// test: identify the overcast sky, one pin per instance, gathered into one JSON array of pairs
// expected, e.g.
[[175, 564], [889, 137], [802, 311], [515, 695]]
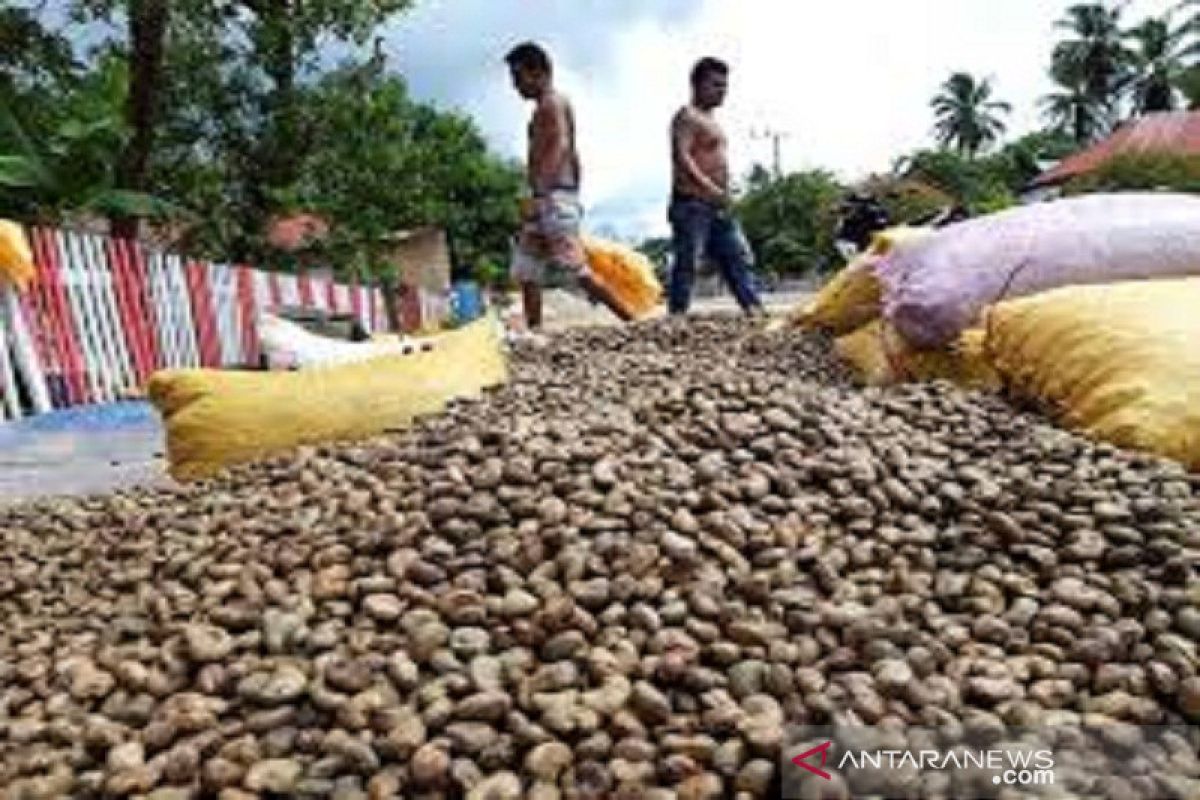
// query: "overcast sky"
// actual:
[[848, 81]]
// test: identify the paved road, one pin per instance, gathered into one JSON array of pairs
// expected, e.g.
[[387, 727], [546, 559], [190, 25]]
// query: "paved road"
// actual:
[[82, 451]]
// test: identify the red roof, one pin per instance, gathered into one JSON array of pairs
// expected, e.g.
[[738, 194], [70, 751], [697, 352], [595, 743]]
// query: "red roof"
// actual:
[[297, 231], [1173, 132]]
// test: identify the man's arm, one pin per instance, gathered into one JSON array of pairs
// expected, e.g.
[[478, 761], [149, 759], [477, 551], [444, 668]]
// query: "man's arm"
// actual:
[[683, 136], [550, 146]]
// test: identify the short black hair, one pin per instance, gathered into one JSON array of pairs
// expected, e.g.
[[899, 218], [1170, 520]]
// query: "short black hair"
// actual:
[[708, 66], [530, 56]]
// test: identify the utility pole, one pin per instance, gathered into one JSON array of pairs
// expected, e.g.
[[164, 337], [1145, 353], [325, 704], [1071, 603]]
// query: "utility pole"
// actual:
[[776, 137]]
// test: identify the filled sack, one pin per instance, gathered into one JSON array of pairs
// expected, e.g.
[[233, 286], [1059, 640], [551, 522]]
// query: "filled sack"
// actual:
[[935, 287], [287, 345], [16, 259], [215, 419], [852, 297], [881, 357], [627, 275], [1118, 362]]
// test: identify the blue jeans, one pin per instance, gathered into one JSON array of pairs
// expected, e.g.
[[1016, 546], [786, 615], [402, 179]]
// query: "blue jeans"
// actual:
[[703, 229]]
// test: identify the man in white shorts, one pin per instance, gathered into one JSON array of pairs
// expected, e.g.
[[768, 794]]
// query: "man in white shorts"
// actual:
[[551, 217]]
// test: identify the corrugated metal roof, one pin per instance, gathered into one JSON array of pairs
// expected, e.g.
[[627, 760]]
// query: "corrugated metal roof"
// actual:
[[1174, 132]]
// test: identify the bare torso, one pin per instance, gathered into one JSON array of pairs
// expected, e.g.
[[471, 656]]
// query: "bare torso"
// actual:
[[553, 157], [706, 147]]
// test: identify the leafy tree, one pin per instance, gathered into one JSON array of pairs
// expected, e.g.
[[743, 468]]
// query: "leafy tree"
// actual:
[[968, 119], [1071, 110], [67, 166], [285, 37], [1017, 163], [906, 199], [31, 56], [147, 31], [790, 222], [1188, 79], [1157, 64], [974, 183], [381, 163], [1092, 62]]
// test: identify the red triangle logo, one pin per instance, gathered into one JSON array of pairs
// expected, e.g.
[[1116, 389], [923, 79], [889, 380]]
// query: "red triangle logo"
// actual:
[[823, 749]]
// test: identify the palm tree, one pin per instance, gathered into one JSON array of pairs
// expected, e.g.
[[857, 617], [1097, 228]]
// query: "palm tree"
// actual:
[[1158, 65], [968, 119], [1188, 80], [1072, 110], [1094, 54]]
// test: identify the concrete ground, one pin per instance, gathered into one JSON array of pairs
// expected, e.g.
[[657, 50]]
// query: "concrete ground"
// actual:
[[80, 452], [106, 448]]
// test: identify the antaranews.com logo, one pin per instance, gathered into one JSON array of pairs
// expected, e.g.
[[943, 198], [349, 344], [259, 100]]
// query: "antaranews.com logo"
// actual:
[[1134, 761]]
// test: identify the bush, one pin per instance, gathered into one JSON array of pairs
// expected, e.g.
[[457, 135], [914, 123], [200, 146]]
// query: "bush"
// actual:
[[1141, 172], [906, 199], [790, 222]]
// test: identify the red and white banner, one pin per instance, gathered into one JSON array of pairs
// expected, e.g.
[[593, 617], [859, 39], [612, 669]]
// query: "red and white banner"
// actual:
[[102, 315]]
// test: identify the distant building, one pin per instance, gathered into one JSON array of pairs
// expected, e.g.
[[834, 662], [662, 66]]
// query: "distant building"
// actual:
[[1170, 132], [422, 259]]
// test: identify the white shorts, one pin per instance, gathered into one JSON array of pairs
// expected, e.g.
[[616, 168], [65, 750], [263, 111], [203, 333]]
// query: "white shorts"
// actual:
[[550, 240]]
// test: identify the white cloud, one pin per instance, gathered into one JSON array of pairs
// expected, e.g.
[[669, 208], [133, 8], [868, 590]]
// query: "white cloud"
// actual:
[[849, 82]]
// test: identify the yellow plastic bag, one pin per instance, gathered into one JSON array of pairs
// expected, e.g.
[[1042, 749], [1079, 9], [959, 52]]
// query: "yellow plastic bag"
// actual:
[[16, 259], [853, 297], [215, 419], [626, 274], [882, 357], [1119, 362]]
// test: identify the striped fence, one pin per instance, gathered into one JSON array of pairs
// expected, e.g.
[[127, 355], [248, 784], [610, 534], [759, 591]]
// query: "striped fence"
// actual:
[[103, 314]]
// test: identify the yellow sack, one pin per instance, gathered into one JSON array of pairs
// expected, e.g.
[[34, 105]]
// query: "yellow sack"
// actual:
[[16, 260], [1120, 362], [882, 357], [215, 419], [626, 274], [853, 297]]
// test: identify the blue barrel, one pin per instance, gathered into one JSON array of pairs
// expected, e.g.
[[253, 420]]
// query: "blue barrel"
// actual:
[[467, 301]]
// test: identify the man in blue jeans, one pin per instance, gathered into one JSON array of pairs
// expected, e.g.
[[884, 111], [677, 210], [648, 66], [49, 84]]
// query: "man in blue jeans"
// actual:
[[701, 214]]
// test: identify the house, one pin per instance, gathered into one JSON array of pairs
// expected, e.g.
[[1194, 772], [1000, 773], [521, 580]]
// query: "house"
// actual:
[[1176, 132], [422, 258]]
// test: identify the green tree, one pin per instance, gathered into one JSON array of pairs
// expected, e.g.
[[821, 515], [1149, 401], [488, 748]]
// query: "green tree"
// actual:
[[32, 57], [1071, 110], [146, 22], [968, 119], [790, 222], [285, 37], [1189, 85], [906, 199], [1158, 64], [1020, 161], [1092, 62], [381, 163], [974, 183], [66, 166], [1188, 80]]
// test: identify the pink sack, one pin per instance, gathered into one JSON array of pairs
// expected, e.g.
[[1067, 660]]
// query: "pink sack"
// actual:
[[936, 287]]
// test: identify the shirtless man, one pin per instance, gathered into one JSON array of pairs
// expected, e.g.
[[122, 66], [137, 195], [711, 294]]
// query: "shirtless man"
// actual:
[[702, 221], [551, 216]]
